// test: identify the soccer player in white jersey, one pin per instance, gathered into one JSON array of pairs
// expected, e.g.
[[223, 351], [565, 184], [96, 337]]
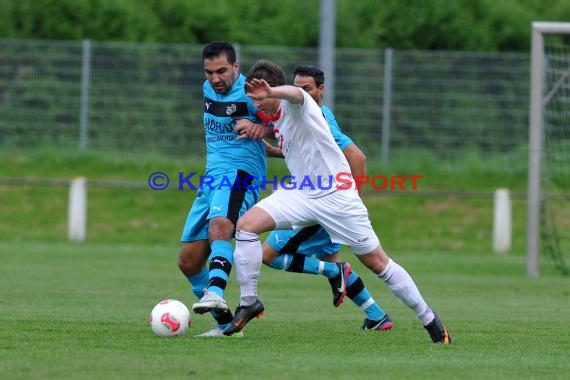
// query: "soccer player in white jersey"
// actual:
[[314, 160], [310, 249]]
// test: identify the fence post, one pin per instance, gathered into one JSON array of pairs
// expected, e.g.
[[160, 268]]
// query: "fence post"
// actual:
[[77, 210], [502, 220], [327, 39], [84, 110], [387, 105]]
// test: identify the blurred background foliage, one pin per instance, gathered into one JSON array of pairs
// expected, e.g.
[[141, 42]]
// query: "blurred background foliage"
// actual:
[[470, 25]]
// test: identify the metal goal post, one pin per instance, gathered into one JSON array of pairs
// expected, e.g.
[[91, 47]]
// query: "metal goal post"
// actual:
[[536, 133]]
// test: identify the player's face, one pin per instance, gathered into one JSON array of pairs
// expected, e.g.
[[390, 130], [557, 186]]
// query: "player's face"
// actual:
[[308, 84], [268, 106], [220, 73]]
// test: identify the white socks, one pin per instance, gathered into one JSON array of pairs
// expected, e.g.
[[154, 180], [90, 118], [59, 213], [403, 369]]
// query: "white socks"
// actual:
[[247, 261], [403, 287]]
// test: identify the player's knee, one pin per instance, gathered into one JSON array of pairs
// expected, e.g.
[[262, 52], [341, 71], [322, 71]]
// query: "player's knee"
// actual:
[[244, 224], [376, 260], [189, 263], [220, 229], [256, 221], [269, 255], [184, 264]]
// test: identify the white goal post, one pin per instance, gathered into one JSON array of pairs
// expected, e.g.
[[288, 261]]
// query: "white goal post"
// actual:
[[536, 134]]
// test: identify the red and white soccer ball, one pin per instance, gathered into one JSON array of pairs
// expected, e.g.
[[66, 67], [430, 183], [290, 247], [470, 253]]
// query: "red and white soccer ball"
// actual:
[[170, 318]]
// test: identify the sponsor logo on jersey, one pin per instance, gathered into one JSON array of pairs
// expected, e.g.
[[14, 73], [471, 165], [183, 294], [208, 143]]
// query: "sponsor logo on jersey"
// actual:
[[231, 109]]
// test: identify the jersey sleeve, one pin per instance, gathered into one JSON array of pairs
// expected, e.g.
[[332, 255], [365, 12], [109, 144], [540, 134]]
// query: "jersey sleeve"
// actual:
[[340, 138], [254, 112]]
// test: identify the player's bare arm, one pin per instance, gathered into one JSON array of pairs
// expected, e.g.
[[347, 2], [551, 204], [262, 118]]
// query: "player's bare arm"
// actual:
[[259, 89], [357, 162], [272, 151]]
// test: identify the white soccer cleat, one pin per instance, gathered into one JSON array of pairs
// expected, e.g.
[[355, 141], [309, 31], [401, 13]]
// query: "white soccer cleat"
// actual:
[[217, 332], [210, 301]]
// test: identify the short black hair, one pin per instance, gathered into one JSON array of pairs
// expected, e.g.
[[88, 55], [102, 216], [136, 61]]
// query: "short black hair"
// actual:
[[271, 72], [215, 48], [310, 71]]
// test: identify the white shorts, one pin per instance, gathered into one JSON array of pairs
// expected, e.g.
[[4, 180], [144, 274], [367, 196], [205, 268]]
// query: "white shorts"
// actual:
[[341, 213]]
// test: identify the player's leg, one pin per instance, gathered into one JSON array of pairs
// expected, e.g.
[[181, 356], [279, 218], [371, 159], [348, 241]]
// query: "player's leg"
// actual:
[[291, 250], [199, 282], [403, 286], [356, 231], [195, 246], [191, 262], [220, 264], [226, 204], [299, 251], [194, 254], [248, 259], [282, 210], [375, 317]]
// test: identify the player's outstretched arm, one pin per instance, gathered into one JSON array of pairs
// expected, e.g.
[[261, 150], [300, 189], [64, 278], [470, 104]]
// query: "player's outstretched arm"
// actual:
[[259, 89]]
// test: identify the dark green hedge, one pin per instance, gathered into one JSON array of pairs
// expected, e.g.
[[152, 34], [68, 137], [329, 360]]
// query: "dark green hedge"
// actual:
[[475, 25]]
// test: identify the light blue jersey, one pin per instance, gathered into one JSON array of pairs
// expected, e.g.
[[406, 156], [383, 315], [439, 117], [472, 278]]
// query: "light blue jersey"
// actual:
[[313, 240], [224, 150], [340, 138], [231, 164]]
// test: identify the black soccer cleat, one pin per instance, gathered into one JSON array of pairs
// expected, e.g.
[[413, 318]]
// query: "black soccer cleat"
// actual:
[[243, 315], [338, 283], [437, 331], [384, 324]]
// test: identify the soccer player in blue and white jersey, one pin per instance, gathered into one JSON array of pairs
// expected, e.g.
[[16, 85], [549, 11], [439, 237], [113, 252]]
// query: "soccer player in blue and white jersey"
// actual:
[[310, 249], [231, 164], [311, 152]]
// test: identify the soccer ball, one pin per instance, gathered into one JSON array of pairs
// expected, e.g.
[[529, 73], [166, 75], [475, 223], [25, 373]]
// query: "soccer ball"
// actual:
[[170, 318]]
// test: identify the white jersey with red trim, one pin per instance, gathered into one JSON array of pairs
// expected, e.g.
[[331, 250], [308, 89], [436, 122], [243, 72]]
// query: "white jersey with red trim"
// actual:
[[314, 159]]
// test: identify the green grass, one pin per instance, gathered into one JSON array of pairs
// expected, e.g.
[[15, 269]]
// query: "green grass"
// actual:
[[116, 215], [472, 172], [80, 311], [157, 217]]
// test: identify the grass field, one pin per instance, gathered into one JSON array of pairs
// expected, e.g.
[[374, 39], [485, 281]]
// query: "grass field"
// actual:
[[81, 312], [144, 216]]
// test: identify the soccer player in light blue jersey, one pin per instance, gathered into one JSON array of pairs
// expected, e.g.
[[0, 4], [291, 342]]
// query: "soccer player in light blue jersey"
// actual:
[[232, 163], [310, 249]]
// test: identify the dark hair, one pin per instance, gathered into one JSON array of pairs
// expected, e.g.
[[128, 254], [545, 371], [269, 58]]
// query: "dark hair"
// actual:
[[271, 72], [216, 48], [310, 71]]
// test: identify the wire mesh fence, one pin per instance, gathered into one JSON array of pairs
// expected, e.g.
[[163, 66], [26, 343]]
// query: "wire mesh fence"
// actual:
[[134, 99]]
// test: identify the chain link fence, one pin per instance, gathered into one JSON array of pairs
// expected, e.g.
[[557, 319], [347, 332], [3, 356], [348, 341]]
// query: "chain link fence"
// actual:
[[134, 99]]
